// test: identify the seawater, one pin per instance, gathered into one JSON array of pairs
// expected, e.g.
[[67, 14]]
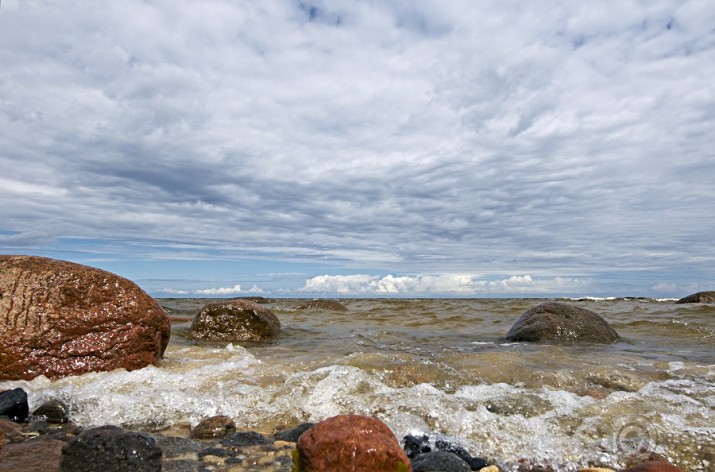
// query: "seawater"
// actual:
[[438, 367]]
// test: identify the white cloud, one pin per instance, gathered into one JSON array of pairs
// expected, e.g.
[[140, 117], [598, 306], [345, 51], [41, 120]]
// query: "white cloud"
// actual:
[[454, 284], [219, 291]]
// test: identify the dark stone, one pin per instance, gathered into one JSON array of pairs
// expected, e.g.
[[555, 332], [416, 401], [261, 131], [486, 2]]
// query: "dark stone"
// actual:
[[414, 446], [111, 449], [561, 323], [235, 321], [292, 435], [58, 318], [475, 463], [245, 438], [700, 297], [322, 304], [439, 461], [53, 411], [13, 405], [214, 451], [350, 442], [213, 427], [174, 446]]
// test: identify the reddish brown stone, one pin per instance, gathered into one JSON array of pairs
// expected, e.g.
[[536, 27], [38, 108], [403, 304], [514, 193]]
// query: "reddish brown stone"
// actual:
[[32, 456], [213, 427], [9, 431], [235, 321], [653, 466], [350, 443], [58, 318]]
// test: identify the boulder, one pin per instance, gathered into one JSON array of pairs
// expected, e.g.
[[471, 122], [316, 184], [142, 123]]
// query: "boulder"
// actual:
[[700, 297], [58, 318], [235, 321], [110, 449], [439, 461], [350, 443], [321, 304], [561, 323]]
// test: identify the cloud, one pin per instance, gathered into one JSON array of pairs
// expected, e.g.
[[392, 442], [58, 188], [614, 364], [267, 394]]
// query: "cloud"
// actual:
[[401, 137], [220, 291], [452, 284]]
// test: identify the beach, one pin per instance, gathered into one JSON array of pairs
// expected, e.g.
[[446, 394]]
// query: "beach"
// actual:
[[438, 367]]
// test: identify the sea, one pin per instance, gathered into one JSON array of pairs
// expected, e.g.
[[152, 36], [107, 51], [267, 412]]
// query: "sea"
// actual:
[[438, 367]]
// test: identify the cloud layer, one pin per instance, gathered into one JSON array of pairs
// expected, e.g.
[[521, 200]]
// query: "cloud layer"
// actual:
[[557, 140]]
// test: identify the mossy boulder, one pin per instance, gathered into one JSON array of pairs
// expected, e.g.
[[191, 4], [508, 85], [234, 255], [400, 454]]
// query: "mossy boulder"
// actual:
[[235, 321]]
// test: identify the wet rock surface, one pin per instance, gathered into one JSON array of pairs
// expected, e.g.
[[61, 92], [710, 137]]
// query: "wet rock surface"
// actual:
[[13, 405], [561, 323], [235, 321], [213, 427], [699, 297], [439, 461], [110, 449], [350, 442], [58, 319]]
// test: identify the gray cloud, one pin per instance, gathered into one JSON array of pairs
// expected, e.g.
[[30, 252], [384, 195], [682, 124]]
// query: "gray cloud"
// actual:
[[396, 136]]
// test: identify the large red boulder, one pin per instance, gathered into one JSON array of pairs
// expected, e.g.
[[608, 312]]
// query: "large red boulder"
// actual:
[[352, 443], [58, 318]]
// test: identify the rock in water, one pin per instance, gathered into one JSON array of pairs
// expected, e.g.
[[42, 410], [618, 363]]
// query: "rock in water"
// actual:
[[322, 304], [213, 427], [235, 321], [654, 466], [700, 297], [58, 318], [353, 443], [111, 449], [13, 405], [561, 323]]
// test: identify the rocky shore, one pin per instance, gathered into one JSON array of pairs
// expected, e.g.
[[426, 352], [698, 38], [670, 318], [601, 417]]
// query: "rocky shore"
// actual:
[[47, 441]]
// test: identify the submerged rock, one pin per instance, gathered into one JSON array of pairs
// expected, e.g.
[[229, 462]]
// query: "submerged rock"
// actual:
[[53, 411], [293, 434], [350, 442], [58, 318], [235, 321], [700, 297], [322, 304], [110, 449], [561, 323]]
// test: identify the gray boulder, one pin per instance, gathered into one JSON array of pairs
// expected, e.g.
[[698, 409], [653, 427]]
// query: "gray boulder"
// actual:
[[700, 297], [561, 323]]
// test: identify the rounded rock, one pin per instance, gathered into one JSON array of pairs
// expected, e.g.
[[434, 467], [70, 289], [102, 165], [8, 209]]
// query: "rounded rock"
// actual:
[[111, 449], [235, 321], [59, 318], [322, 304], [561, 323], [439, 461], [700, 297], [213, 427], [353, 443]]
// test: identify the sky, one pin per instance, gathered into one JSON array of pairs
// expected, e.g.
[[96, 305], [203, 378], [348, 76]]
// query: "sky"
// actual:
[[364, 148]]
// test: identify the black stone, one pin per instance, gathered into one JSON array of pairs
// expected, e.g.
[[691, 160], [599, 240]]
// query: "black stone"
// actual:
[[414, 446], [53, 411], [245, 438], [214, 451], [475, 463], [700, 297], [111, 449], [13, 405], [439, 461], [292, 435]]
